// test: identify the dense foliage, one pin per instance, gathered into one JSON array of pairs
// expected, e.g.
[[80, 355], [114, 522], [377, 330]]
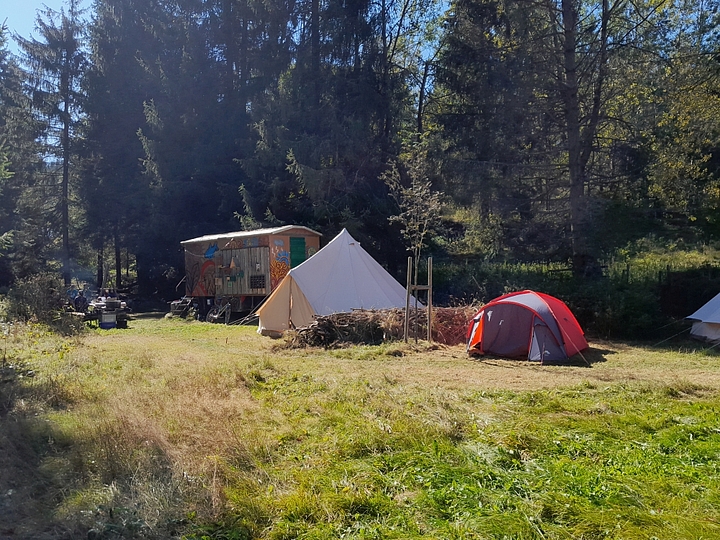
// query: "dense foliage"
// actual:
[[553, 132]]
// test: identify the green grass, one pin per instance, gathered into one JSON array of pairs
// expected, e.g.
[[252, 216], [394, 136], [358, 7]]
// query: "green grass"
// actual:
[[613, 463], [174, 428]]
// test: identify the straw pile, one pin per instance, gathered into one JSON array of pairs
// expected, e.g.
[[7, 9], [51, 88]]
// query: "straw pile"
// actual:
[[374, 327], [449, 324]]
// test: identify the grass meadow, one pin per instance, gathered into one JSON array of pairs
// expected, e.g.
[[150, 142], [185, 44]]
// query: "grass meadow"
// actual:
[[181, 429]]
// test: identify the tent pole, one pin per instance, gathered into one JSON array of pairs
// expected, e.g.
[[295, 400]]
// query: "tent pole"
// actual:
[[290, 323], [406, 330]]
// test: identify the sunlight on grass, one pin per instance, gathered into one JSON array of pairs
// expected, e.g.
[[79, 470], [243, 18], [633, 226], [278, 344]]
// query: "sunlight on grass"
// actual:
[[216, 432]]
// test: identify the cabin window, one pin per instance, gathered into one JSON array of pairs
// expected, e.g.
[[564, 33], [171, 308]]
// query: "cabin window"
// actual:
[[257, 281]]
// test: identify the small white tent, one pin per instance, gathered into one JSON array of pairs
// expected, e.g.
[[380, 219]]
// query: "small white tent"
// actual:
[[706, 321], [340, 277]]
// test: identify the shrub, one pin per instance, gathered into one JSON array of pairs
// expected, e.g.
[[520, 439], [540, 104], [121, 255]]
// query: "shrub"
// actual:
[[41, 299], [611, 306]]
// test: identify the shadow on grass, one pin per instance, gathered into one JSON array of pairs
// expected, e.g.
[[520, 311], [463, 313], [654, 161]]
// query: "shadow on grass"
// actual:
[[586, 358], [41, 467], [149, 315], [590, 356], [688, 345], [26, 509]]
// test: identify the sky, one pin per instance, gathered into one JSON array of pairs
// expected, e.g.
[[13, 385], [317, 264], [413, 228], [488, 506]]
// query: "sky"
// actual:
[[20, 15]]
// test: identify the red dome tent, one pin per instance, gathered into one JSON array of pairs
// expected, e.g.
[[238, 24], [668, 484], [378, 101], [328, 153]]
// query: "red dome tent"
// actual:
[[526, 324]]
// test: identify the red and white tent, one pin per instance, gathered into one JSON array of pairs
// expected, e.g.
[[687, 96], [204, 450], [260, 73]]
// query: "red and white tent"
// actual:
[[526, 324]]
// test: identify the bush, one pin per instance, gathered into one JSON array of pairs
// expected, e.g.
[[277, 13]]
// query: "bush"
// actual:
[[610, 306], [611, 309], [41, 298]]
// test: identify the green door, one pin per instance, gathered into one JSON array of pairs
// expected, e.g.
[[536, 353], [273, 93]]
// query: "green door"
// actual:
[[297, 251]]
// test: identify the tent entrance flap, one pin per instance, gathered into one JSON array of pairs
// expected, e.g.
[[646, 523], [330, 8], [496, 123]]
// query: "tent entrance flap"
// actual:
[[507, 331], [544, 346], [301, 312]]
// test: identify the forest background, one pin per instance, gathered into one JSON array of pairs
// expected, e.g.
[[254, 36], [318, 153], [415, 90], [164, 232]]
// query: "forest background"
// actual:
[[557, 144]]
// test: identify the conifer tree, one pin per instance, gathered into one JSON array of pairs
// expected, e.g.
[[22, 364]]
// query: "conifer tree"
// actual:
[[20, 209], [55, 65], [116, 195]]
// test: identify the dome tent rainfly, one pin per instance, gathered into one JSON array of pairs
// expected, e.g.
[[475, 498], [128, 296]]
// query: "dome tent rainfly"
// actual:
[[706, 321], [339, 278], [526, 324]]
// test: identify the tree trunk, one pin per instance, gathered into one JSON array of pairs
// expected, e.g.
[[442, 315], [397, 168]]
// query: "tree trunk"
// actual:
[[118, 258], [231, 61], [384, 69], [576, 170], [315, 49], [100, 265], [143, 263], [64, 200], [421, 100]]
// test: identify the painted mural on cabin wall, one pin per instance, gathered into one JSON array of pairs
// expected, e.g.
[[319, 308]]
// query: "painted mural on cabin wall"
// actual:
[[201, 271], [279, 262]]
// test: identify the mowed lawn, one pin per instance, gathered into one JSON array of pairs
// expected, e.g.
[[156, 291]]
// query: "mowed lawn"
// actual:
[[175, 428]]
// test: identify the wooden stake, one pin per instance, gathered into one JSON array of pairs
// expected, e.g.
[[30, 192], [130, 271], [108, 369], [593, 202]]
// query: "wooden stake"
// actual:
[[429, 301], [406, 330]]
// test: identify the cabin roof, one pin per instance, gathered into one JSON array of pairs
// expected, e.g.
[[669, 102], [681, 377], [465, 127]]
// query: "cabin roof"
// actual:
[[244, 234]]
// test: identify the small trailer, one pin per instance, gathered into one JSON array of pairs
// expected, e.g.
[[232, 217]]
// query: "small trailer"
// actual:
[[235, 272]]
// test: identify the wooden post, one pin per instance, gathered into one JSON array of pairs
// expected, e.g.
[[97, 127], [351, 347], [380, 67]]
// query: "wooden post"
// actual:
[[429, 301], [406, 330]]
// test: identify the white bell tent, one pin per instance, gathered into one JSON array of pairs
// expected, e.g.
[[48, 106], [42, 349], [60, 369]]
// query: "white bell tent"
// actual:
[[706, 321], [339, 278]]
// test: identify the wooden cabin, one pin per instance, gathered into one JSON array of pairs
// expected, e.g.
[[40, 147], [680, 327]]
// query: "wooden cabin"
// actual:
[[243, 267]]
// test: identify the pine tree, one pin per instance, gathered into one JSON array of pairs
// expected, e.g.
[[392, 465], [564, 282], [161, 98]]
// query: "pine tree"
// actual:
[[55, 66], [116, 193]]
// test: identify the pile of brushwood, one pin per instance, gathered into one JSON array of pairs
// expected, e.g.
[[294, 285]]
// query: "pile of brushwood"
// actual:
[[372, 327]]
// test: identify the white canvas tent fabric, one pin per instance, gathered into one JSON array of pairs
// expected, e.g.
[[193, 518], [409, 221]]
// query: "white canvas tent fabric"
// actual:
[[706, 321], [340, 277]]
